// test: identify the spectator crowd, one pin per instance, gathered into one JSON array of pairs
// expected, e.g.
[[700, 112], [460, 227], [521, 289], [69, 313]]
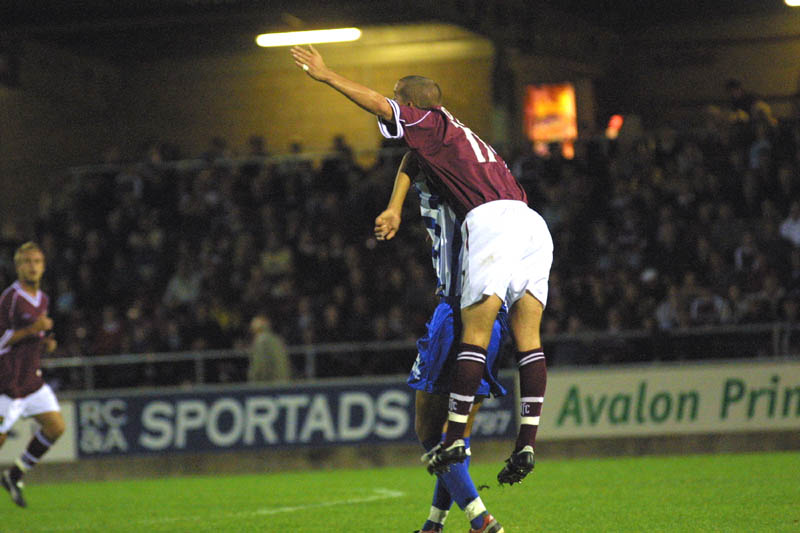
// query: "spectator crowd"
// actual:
[[655, 231]]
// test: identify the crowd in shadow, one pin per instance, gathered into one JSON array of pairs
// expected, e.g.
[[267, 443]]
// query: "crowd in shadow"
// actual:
[[656, 232]]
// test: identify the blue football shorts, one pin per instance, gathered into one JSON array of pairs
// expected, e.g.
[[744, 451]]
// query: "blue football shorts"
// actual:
[[436, 358]]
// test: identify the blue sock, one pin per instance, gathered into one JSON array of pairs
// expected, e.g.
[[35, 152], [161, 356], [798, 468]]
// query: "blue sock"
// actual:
[[455, 485], [459, 483], [476, 522], [460, 486], [441, 496]]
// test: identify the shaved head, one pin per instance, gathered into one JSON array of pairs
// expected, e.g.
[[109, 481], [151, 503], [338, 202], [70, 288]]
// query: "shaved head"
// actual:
[[418, 90]]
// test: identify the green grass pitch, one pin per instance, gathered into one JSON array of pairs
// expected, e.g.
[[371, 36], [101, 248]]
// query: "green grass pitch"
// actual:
[[740, 492]]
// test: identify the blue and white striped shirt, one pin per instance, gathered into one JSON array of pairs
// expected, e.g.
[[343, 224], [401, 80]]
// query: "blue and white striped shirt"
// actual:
[[444, 229]]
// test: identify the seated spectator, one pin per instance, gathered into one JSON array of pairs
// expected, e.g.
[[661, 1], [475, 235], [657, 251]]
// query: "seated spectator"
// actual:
[[707, 309], [766, 302], [257, 146], [645, 232], [788, 333], [109, 333], [749, 262], [671, 311], [741, 307], [793, 272], [183, 287], [790, 227]]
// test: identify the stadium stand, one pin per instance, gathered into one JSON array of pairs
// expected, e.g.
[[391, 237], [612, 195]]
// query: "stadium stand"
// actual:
[[661, 235]]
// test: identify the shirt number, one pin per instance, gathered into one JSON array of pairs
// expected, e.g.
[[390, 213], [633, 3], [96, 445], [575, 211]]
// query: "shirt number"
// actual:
[[474, 141]]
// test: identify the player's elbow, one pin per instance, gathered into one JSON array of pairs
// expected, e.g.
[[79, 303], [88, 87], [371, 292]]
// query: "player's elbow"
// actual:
[[384, 109]]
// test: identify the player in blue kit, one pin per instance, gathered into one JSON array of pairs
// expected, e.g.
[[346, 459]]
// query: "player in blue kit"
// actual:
[[432, 372]]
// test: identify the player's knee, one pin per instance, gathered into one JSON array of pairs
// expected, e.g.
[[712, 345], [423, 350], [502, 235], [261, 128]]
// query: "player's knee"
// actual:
[[477, 337], [54, 430]]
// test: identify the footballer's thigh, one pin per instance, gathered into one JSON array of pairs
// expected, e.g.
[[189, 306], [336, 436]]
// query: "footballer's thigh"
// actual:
[[478, 320], [526, 320], [52, 424], [430, 415], [527, 292]]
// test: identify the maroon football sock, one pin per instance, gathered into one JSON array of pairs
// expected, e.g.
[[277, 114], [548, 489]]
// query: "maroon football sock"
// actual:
[[532, 381], [470, 363], [37, 447]]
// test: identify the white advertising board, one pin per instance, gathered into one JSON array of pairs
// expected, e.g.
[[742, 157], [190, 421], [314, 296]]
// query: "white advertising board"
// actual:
[[668, 400], [20, 435]]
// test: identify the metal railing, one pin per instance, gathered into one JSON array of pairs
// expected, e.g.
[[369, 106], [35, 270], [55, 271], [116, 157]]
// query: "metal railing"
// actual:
[[198, 367], [199, 163]]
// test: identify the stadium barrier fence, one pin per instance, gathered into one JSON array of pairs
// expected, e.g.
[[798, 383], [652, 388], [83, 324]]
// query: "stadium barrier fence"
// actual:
[[198, 367]]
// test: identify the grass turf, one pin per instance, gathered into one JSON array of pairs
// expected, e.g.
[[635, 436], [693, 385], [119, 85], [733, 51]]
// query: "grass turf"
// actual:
[[741, 492]]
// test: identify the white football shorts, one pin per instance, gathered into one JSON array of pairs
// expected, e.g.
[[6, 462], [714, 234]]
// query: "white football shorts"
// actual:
[[11, 409], [508, 250]]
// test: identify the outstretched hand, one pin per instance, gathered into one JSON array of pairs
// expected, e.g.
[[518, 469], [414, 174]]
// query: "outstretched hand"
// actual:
[[309, 60], [386, 225]]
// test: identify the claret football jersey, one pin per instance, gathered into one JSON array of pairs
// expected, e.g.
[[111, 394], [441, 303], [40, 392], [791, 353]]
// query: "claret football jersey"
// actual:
[[20, 372], [470, 172]]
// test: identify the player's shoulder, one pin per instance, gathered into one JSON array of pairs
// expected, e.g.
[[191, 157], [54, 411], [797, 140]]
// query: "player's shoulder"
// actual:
[[412, 116], [9, 291]]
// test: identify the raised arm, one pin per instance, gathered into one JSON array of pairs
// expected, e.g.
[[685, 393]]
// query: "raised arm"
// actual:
[[388, 222], [309, 60]]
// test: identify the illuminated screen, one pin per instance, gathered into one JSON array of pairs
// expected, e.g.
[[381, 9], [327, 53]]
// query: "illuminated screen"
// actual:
[[550, 114]]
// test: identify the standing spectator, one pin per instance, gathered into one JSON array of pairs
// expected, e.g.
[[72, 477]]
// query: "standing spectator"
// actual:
[[269, 357]]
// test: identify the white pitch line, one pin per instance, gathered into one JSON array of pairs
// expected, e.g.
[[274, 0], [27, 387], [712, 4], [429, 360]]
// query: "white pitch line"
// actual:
[[378, 494]]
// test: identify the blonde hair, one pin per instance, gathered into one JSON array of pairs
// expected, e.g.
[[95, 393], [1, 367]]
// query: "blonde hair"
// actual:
[[24, 248]]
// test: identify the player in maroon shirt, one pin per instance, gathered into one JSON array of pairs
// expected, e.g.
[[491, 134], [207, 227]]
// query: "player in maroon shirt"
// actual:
[[24, 327], [508, 248]]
